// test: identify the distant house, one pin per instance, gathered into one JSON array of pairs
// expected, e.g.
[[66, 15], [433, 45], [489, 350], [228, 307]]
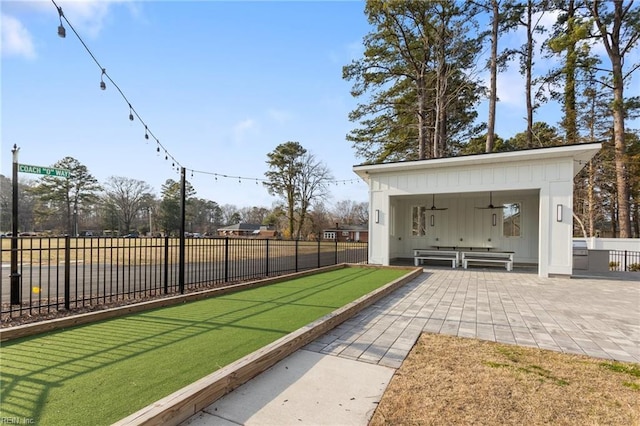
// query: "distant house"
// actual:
[[247, 230], [346, 233]]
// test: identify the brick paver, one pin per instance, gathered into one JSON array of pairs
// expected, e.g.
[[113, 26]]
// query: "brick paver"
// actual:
[[594, 317]]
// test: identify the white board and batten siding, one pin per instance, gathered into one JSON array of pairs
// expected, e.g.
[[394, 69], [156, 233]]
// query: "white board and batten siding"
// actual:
[[539, 180]]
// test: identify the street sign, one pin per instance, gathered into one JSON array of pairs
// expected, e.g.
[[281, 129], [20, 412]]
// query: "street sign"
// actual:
[[40, 170]]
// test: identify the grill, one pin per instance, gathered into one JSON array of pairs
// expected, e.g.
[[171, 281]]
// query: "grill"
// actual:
[[580, 255]]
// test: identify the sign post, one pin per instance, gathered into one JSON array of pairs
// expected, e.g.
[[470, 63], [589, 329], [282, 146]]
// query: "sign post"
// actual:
[[24, 168], [15, 275]]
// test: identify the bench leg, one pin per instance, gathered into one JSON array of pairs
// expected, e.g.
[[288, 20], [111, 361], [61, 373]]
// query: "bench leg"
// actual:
[[453, 264]]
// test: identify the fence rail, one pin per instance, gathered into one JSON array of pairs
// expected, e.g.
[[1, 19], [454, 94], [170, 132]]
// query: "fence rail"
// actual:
[[624, 260], [69, 273]]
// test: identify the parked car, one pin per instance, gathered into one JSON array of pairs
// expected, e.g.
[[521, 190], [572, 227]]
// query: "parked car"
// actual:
[[131, 235]]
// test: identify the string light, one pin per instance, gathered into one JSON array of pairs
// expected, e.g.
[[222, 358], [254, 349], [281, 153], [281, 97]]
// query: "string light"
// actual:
[[259, 180], [62, 32], [147, 132]]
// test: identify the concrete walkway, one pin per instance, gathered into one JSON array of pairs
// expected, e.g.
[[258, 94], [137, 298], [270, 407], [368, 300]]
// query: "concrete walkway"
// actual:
[[339, 378]]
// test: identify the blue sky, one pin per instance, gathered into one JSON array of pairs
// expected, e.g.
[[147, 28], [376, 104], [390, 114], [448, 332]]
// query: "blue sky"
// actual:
[[220, 84]]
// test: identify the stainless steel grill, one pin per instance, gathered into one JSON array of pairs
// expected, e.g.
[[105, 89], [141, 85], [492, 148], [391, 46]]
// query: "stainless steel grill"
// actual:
[[580, 255]]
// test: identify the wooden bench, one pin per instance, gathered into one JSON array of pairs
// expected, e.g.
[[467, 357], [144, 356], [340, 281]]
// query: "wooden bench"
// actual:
[[420, 255], [488, 257]]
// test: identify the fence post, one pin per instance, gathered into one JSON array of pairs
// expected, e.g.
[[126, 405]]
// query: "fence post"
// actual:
[[226, 259], [318, 252], [67, 272], [267, 256], [296, 255], [626, 264], [183, 204], [335, 260], [166, 264]]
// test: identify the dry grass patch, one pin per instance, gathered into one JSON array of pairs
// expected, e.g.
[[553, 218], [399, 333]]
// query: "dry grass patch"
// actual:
[[449, 380]]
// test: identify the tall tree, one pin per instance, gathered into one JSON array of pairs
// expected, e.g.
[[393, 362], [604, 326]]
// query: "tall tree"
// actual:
[[254, 214], [528, 14], [285, 167], [230, 214], [569, 37], [67, 195], [201, 215], [170, 205], [26, 205], [313, 186], [127, 195], [540, 135], [350, 212], [493, 70], [594, 123], [416, 67], [299, 179], [618, 26]]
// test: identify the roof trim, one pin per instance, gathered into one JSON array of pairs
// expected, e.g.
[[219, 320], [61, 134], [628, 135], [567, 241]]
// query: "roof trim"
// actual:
[[581, 153]]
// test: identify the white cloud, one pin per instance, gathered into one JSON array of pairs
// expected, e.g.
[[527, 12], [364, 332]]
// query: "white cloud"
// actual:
[[16, 39], [244, 129], [279, 116]]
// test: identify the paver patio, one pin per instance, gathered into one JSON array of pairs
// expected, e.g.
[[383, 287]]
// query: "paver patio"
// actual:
[[598, 317]]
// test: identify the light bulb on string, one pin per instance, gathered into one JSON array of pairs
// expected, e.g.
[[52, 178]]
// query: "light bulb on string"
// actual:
[[130, 113], [103, 86], [62, 32], [146, 133]]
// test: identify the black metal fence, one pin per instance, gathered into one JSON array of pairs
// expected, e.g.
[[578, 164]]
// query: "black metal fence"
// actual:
[[69, 273], [624, 260]]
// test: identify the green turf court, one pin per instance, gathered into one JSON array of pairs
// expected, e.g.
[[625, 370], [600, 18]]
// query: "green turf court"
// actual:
[[100, 373]]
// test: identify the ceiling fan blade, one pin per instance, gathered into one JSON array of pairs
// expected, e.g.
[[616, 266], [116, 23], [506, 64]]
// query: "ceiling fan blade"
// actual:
[[490, 206], [433, 204]]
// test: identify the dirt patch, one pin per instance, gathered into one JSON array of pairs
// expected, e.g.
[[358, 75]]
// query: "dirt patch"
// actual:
[[449, 380]]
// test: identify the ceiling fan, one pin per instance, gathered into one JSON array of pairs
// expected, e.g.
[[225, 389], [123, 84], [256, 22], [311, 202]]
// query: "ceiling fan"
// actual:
[[433, 204], [491, 206]]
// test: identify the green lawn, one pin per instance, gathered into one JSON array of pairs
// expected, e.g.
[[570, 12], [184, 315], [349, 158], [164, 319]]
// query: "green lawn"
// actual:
[[102, 372]]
